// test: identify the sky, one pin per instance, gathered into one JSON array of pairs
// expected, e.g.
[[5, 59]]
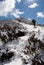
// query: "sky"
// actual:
[[29, 9]]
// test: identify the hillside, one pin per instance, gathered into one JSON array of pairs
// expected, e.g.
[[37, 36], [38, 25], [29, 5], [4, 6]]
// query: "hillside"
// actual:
[[21, 43]]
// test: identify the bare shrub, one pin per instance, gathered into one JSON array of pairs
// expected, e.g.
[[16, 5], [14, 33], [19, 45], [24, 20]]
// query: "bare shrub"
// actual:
[[37, 61], [6, 57], [20, 33], [3, 38]]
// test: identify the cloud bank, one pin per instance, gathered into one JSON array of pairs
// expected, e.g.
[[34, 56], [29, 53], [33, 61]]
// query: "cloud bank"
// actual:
[[8, 6]]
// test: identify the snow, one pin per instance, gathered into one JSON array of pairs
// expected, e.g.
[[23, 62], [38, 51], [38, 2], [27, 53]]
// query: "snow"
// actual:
[[3, 33], [15, 62], [1, 43], [17, 46]]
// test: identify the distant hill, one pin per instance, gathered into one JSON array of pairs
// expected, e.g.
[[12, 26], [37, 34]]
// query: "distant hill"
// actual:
[[21, 20]]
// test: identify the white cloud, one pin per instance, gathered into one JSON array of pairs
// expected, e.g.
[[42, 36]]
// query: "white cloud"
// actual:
[[40, 14], [17, 13], [29, 18], [6, 7], [34, 5], [30, 0], [18, 1]]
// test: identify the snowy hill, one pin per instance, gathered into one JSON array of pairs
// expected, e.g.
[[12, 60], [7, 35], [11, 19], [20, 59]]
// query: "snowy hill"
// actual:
[[21, 43]]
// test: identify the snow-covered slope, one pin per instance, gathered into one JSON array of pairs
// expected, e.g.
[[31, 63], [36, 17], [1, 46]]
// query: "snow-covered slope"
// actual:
[[27, 48]]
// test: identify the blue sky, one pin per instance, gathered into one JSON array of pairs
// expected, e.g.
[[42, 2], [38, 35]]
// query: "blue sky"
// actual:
[[29, 9]]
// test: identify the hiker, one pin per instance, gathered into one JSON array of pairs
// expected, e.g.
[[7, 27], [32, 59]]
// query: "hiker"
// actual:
[[34, 22]]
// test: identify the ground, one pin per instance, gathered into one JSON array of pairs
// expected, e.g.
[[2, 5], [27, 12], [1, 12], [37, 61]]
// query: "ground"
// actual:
[[26, 48]]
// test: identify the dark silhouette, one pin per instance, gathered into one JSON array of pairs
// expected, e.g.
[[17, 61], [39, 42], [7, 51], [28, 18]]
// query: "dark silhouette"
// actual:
[[34, 22], [20, 33], [3, 38], [6, 56]]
